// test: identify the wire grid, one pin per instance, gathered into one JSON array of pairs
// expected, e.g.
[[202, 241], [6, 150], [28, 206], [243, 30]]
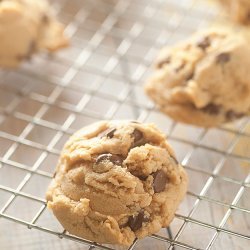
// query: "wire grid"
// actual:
[[100, 77]]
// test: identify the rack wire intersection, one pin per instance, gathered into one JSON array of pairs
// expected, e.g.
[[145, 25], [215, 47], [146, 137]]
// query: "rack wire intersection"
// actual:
[[101, 77]]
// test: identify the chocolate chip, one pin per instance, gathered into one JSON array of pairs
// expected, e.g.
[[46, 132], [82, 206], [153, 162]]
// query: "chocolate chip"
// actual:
[[115, 159], [108, 133], [190, 76], [232, 115], [45, 18], [103, 157], [139, 139], [163, 62], [180, 67], [160, 181], [54, 175], [212, 109], [135, 222], [204, 43], [137, 134], [142, 178], [223, 58]]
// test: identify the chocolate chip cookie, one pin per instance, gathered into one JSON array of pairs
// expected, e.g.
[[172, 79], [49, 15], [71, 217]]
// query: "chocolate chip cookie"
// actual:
[[238, 10], [204, 81], [27, 26], [115, 181]]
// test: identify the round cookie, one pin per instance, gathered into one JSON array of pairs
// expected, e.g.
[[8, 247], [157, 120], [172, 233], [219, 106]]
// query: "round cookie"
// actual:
[[27, 26], [239, 10], [115, 181], [204, 81]]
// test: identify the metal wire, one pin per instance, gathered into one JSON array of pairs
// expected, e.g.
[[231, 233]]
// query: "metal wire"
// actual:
[[47, 100]]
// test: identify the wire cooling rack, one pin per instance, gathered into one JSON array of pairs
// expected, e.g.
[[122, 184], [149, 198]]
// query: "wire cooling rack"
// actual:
[[100, 77]]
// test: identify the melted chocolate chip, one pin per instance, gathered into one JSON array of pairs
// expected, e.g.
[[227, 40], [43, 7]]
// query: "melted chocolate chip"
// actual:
[[137, 134], [160, 181], [223, 58], [180, 67], [204, 43], [115, 159], [190, 76], [139, 139], [45, 19], [142, 178], [101, 166], [103, 157], [108, 133], [135, 222], [231, 115], [163, 62], [212, 109]]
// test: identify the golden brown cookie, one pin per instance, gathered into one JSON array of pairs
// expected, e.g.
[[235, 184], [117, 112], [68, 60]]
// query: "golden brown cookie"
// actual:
[[205, 80], [115, 181], [27, 26]]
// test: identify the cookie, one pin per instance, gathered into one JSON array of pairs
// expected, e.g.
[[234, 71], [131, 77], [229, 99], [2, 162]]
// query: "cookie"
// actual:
[[116, 181], [27, 26], [238, 10], [204, 81]]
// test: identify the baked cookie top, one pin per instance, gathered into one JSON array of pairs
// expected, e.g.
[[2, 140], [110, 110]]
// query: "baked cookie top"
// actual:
[[115, 181], [27, 26], [205, 80]]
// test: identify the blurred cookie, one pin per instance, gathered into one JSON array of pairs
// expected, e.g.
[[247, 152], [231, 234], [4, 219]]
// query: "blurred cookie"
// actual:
[[204, 81], [115, 181], [27, 26], [239, 10]]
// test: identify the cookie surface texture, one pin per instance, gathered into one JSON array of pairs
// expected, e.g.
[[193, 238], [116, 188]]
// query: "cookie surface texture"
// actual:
[[204, 81], [116, 181]]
